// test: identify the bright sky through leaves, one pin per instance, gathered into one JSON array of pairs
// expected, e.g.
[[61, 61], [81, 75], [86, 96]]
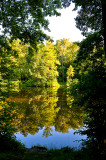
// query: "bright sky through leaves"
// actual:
[[64, 26]]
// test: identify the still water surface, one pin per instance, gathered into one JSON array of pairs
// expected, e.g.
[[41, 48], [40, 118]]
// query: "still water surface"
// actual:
[[44, 116], [57, 140]]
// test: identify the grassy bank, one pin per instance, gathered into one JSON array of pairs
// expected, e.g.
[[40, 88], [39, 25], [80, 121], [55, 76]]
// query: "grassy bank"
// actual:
[[11, 149], [57, 154]]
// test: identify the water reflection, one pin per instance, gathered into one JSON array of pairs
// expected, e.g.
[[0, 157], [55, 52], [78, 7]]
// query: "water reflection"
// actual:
[[33, 109], [51, 111], [57, 140]]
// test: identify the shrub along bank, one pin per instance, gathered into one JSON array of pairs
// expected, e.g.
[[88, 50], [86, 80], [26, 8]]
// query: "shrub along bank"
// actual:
[[11, 149]]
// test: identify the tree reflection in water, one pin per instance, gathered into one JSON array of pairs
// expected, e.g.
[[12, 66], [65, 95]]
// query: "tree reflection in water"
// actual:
[[28, 111]]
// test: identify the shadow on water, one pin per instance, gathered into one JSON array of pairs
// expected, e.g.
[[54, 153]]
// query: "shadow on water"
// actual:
[[96, 126]]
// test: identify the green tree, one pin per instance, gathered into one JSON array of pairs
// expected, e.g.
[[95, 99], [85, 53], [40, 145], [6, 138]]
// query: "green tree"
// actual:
[[91, 15], [25, 19], [70, 74], [89, 78], [43, 66], [66, 52], [21, 64], [7, 62], [14, 66], [39, 68], [90, 63]]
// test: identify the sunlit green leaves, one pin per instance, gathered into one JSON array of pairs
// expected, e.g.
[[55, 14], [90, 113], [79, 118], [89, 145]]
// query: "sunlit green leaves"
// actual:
[[66, 52], [90, 70], [44, 65]]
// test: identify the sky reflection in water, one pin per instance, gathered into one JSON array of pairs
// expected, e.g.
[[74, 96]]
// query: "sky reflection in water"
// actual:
[[57, 140]]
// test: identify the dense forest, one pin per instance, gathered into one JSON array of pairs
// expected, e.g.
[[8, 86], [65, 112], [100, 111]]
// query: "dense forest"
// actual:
[[43, 66], [26, 59], [29, 58]]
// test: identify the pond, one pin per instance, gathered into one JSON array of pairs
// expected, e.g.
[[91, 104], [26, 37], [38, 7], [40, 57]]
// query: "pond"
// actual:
[[42, 116]]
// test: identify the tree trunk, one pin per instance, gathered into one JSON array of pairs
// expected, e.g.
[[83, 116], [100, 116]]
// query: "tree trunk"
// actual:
[[62, 68], [104, 21]]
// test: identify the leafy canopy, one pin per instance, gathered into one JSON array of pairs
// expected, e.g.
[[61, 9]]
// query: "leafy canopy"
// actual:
[[24, 19]]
